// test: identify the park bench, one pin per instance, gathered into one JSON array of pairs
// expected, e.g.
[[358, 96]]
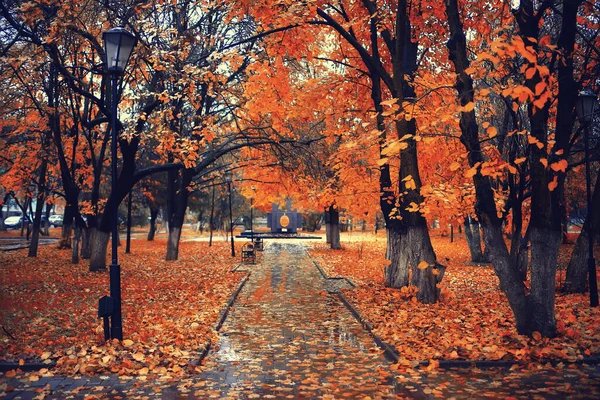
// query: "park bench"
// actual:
[[258, 244], [248, 253]]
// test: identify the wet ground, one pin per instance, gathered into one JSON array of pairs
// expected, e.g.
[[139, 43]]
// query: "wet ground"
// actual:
[[288, 336]]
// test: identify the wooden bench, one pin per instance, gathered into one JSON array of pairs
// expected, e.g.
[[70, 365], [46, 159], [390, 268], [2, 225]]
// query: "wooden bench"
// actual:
[[248, 253], [258, 244]]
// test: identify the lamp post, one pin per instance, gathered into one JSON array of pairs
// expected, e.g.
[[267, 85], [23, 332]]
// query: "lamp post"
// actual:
[[118, 44], [230, 217], [252, 214], [585, 107]]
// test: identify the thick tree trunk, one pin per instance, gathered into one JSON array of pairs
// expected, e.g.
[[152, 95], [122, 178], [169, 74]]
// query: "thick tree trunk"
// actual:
[[75, 248], [87, 234], [397, 273], [474, 240], [173, 243], [407, 249], [67, 228], [152, 231], [99, 249], [39, 207], [332, 216], [533, 312], [328, 233], [576, 280], [577, 272]]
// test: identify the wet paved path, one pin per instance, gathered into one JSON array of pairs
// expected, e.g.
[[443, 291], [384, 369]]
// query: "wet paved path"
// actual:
[[286, 336]]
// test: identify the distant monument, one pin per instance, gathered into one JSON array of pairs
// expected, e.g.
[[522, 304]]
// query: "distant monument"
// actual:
[[284, 221]]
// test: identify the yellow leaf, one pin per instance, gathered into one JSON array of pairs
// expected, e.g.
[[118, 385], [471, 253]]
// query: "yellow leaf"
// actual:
[[382, 161], [544, 162], [492, 131], [127, 342], [470, 71], [46, 355], [469, 107], [138, 357], [143, 371], [454, 166], [423, 265], [511, 169], [520, 160]]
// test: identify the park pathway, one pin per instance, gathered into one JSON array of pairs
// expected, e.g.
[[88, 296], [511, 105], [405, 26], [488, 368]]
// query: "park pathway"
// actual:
[[287, 336]]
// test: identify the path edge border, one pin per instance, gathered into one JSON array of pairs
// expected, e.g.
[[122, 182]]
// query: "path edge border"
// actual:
[[224, 313]]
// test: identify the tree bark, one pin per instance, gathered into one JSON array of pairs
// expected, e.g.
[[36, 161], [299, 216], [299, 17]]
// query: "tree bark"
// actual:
[[75, 249], [576, 280], [152, 231], [87, 235], [100, 242], [67, 228], [474, 240], [39, 206], [334, 227], [173, 243]]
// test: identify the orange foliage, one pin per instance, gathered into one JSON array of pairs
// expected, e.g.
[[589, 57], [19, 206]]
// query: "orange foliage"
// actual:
[[169, 309]]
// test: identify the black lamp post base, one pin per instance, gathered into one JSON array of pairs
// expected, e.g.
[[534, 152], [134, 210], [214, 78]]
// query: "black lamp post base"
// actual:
[[116, 328]]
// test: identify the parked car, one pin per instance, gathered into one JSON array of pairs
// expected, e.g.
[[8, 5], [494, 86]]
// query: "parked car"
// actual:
[[15, 222], [56, 220]]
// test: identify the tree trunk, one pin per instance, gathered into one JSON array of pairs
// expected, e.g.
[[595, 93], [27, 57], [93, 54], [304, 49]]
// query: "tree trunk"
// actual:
[[474, 240], [576, 280], [407, 249], [397, 273], [173, 243], [99, 249], [152, 231], [128, 243], [533, 312], [87, 233], [39, 207], [211, 223], [334, 227], [75, 249]]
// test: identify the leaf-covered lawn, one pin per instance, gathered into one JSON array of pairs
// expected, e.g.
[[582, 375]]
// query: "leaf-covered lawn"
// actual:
[[170, 308], [473, 321]]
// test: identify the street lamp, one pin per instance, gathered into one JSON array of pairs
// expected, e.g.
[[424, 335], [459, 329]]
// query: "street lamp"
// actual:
[[252, 214], [585, 107], [228, 180], [118, 44]]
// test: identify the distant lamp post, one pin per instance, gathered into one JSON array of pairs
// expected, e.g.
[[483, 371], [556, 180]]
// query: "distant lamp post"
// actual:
[[252, 214], [118, 44], [228, 180], [586, 106]]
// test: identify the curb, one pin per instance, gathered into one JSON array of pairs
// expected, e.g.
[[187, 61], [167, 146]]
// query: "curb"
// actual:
[[224, 313], [325, 276], [390, 352]]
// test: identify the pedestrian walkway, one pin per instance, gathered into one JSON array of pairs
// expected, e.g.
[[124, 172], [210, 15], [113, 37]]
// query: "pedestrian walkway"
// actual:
[[287, 336]]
